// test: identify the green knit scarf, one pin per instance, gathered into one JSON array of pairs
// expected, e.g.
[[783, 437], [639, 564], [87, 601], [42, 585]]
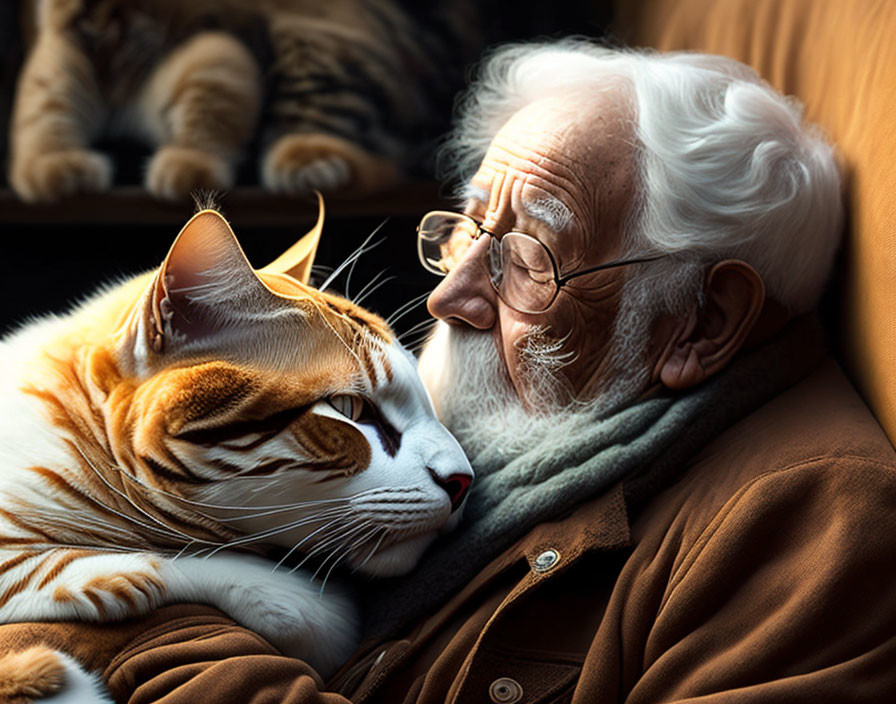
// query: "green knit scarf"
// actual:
[[646, 445]]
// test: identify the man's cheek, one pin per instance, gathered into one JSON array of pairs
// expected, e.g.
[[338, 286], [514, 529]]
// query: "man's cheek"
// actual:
[[513, 340]]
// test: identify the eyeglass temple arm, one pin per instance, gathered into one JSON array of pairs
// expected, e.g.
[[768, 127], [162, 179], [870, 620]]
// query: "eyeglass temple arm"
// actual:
[[562, 280]]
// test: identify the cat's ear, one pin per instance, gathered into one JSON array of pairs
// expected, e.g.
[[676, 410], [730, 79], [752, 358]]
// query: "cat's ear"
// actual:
[[204, 288], [298, 259]]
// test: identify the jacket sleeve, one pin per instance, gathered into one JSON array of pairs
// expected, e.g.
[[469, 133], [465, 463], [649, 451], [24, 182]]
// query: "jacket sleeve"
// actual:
[[189, 653], [788, 595]]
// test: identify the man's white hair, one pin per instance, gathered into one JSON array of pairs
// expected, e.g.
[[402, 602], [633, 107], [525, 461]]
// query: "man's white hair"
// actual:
[[727, 167]]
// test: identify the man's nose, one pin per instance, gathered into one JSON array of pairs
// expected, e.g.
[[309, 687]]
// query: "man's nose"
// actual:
[[466, 294]]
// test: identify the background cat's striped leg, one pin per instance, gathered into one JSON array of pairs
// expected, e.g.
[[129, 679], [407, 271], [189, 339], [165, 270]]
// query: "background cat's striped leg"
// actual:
[[327, 122], [58, 112], [200, 106]]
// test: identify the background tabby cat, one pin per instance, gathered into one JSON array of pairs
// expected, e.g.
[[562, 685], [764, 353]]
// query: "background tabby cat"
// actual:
[[337, 93]]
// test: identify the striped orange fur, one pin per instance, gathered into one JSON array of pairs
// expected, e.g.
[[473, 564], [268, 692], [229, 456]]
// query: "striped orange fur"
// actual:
[[190, 433]]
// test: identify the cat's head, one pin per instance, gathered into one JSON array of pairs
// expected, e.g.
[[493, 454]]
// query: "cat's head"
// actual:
[[246, 407]]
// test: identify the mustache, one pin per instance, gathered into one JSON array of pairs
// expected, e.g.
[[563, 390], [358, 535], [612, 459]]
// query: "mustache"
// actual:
[[540, 359], [465, 373]]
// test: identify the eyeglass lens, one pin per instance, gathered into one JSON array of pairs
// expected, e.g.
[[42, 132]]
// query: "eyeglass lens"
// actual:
[[520, 268]]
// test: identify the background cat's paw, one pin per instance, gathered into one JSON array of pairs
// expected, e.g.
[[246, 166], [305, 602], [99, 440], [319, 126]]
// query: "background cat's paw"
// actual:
[[175, 172], [31, 674], [54, 175], [300, 163], [294, 178]]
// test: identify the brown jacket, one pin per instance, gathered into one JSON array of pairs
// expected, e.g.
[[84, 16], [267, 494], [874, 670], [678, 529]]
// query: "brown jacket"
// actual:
[[767, 573]]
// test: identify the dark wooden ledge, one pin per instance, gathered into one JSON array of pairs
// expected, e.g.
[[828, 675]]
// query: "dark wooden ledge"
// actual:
[[245, 206]]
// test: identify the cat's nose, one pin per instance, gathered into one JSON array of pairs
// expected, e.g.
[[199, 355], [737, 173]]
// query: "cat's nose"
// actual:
[[455, 485]]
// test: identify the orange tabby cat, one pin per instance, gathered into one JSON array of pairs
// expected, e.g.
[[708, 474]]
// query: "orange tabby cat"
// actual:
[[180, 436]]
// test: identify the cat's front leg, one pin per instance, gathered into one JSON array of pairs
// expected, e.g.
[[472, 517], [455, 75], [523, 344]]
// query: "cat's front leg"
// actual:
[[287, 609], [57, 113], [284, 608], [199, 106], [75, 584]]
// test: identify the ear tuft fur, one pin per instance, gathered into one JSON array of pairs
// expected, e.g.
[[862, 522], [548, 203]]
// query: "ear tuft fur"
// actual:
[[205, 199]]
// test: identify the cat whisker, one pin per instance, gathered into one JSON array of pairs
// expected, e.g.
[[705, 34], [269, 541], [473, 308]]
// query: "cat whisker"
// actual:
[[346, 550], [326, 542], [351, 269], [422, 325], [325, 529], [75, 546], [164, 529], [319, 272], [360, 251], [419, 338], [337, 512], [231, 507], [187, 546], [406, 308], [336, 556], [370, 288], [344, 343], [416, 344], [261, 535], [376, 547], [100, 530], [270, 511]]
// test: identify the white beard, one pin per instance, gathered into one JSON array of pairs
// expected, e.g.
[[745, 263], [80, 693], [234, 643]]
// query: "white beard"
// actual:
[[476, 400], [471, 390]]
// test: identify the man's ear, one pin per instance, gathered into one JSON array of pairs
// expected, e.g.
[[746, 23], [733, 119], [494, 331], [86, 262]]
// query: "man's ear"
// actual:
[[298, 259], [709, 337], [204, 289]]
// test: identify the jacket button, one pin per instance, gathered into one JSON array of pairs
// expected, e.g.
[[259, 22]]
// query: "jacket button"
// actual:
[[505, 691], [546, 561]]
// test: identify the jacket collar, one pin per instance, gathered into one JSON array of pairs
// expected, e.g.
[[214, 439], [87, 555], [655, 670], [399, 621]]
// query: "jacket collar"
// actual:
[[548, 549]]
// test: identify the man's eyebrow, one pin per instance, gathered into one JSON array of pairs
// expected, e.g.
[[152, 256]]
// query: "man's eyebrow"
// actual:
[[470, 192], [550, 210]]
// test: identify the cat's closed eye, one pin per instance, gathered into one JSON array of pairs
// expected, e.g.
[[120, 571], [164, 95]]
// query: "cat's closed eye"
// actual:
[[361, 410], [349, 406]]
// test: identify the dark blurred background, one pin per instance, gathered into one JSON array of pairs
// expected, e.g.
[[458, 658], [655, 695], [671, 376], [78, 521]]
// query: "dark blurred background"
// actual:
[[54, 255]]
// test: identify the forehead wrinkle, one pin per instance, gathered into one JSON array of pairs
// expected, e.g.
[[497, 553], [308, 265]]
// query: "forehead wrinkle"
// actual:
[[518, 156], [532, 163]]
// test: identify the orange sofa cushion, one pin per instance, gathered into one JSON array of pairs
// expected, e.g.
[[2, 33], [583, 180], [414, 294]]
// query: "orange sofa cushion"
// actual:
[[839, 58]]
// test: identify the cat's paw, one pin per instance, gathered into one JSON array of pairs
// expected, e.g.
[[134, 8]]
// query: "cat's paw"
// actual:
[[31, 674], [286, 609], [175, 172], [50, 677], [54, 175], [300, 163]]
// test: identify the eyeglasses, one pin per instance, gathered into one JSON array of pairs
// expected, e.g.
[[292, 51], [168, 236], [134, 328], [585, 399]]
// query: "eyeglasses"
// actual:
[[521, 269]]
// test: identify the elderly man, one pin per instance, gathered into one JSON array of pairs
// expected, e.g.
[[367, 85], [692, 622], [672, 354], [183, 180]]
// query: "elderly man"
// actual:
[[679, 497]]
